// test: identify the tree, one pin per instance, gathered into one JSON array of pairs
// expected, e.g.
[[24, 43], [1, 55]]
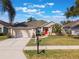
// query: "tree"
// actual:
[[7, 6], [56, 28], [31, 19], [66, 22], [73, 11]]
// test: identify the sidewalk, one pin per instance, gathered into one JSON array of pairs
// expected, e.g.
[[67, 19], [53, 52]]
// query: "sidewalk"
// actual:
[[51, 47]]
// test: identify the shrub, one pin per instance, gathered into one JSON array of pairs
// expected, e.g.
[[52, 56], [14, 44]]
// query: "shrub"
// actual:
[[2, 34]]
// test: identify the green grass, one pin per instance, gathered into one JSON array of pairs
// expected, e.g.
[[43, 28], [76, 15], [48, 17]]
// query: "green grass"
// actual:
[[56, 40], [3, 38], [53, 54]]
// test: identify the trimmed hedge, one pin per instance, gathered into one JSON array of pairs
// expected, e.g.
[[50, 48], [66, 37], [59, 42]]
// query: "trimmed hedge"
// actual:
[[2, 34]]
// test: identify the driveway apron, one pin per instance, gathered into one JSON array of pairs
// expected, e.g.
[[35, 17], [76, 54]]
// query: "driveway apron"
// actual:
[[13, 48]]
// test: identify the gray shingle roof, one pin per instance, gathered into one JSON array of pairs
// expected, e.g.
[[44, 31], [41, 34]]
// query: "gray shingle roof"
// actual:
[[72, 24], [34, 24], [4, 23]]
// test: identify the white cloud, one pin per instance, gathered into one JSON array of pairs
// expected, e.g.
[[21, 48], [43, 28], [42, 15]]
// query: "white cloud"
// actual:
[[31, 5], [43, 5], [55, 19], [35, 5], [39, 6], [62, 13], [50, 4], [40, 12], [21, 9], [56, 11], [27, 4], [25, 9], [31, 10]]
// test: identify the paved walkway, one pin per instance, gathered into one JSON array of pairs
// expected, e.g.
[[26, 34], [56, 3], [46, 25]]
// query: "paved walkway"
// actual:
[[13, 48], [51, 47]]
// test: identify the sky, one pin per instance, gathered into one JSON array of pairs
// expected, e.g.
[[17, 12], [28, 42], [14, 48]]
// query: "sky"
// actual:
[[48, 10]]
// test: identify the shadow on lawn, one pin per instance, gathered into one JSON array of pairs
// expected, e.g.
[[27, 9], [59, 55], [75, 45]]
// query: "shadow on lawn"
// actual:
[[75, 37], [42, 51]]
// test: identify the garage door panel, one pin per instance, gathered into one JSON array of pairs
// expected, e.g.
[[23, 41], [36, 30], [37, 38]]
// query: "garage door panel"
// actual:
[[18, 34], [22, 33]]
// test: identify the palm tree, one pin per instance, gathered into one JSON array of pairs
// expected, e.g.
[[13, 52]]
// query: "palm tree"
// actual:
[[73, 11], [7, 6]]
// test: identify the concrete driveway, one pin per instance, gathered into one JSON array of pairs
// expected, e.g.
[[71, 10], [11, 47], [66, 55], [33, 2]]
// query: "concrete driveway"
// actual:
[[13, 48]]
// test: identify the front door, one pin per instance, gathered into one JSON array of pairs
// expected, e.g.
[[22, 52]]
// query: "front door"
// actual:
[[45, 30]]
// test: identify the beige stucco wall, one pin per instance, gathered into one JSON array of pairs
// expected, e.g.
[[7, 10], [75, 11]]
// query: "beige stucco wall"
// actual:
[[50, 30], [12, 32], [22, 33], [1, 26], [32, 32]]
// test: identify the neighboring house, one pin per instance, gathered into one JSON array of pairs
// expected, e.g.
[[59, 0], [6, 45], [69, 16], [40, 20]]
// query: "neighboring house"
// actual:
[[28, 29], [72, 28], [4, 27]]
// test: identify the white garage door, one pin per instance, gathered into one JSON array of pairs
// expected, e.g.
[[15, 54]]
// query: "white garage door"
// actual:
[[25, 33], [22, 33]]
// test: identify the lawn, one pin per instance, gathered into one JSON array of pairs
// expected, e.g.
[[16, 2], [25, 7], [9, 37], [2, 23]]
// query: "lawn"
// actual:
[[3, 38], [53, 54], [56, 40]]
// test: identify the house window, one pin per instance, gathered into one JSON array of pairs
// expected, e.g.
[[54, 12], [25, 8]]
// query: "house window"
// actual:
[[0, 30], [5, 30]]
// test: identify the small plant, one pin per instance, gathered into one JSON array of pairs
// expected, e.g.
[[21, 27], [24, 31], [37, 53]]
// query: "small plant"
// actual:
[[56, 29]]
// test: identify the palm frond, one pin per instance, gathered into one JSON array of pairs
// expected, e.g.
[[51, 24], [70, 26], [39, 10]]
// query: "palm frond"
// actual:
[[7, 6]]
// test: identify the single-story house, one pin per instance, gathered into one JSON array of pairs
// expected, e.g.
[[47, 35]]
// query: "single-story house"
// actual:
[[72, 28], [27, 29], [4, 27]]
